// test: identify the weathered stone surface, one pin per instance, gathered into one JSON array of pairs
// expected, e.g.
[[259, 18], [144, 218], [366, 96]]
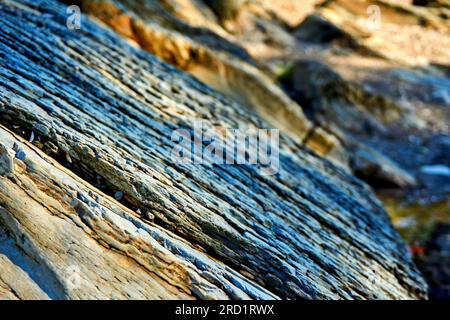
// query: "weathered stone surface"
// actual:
[[382, 87], [392, 30], [106, 111], [62, 236], [199, 50], [350, 110], [156, 30], [6, 163]]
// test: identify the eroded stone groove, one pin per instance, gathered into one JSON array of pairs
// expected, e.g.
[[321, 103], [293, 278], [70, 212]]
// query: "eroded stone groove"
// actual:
[[311, 231]]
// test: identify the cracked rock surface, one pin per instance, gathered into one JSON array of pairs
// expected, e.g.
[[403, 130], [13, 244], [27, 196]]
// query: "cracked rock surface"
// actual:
[[96, 207]]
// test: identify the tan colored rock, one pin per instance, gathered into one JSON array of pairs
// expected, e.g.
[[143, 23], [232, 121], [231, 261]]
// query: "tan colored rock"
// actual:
[[80, 244], [399, 32], [16, 283]]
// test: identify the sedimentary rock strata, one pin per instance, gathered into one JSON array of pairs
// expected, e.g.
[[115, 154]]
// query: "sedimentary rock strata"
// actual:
[[93, 203]]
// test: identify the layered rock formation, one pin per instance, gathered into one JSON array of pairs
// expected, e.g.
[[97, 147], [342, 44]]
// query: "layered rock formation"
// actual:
[[192, 39], [94, 205], [371, 76]]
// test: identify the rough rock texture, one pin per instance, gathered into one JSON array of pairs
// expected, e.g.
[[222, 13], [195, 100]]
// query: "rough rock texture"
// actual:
[[93, 205], [196, 45], [63, 238], [382, 86]]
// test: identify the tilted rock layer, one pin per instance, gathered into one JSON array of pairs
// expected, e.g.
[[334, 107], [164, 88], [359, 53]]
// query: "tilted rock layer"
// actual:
[[204, 49], [93, 204]]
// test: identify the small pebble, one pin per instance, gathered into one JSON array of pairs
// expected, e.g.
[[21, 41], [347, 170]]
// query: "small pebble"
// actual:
[[118, 195], [68, 158], [21, 155], [436, 169]]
